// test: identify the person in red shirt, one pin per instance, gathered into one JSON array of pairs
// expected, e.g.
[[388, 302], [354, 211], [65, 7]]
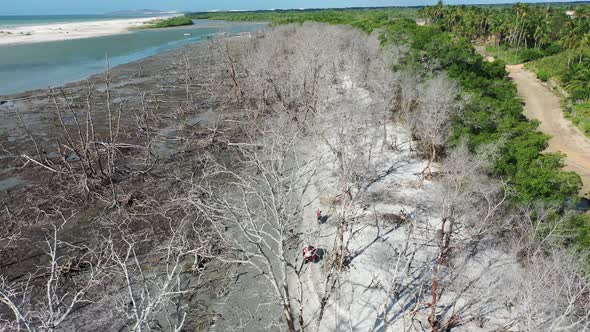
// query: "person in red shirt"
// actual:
[[318, 214], [310, 254]]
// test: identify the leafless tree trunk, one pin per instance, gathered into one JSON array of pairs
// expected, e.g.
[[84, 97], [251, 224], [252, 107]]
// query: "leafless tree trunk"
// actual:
[[63, 290], [438, 103], [260, 206]]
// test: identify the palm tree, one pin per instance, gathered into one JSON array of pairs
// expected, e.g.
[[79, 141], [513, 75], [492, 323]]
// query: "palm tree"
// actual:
[[583, 44], [577, 80], [542, 30], [571, 38], [580, 87], [438, 10], [518, 27]]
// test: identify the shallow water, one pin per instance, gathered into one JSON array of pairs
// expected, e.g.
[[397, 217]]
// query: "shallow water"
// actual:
[[41, 65], [10, 183], [23, 20]]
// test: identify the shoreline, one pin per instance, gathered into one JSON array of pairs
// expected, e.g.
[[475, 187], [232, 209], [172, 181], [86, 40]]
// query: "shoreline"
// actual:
[[41, 33], [24, 95], [129, 81]]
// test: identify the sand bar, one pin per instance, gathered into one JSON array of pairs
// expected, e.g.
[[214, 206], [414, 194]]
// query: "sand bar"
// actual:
[[64, 31]]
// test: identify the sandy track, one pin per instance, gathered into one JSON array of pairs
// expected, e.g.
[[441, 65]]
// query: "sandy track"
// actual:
[[543, 105]]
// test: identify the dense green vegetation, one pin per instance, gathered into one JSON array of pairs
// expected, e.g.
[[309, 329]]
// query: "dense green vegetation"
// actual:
[[512, 56], [520, 26], [576, 231], [575, 81], [556, 39], [554, 66], [580, 115], [557, 45], [493, 114], [364, 19], [170, 22]]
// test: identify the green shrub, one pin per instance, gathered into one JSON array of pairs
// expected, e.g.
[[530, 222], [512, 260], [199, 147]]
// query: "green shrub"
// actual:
[[577, 80], [364, 19], [505, 54], [576, 231], [170, 22], [579, 114], [552, 49], [543, 75], [530, 54], [555, 65]]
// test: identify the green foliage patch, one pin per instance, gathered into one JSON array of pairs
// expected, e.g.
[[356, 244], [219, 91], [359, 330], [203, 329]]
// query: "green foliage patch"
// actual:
[[555, 38], [543, 75], [364, 19], [170, 22], [513, 56], [574, 79], [579, 114], [493, 114], [555, 66]]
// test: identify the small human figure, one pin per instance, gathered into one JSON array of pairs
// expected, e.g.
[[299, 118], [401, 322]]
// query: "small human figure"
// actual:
[[318, 214], [310, 254]]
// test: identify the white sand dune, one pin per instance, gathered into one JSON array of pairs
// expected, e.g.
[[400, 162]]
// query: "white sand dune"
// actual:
[[65, 31]]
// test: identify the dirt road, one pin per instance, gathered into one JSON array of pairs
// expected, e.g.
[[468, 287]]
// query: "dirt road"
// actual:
[[543, 105]]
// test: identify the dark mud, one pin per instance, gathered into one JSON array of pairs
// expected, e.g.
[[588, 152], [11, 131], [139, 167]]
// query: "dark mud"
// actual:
[[180, 126]]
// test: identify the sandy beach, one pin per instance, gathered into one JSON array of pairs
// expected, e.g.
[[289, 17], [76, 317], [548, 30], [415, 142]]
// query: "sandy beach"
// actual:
[[65, 31]]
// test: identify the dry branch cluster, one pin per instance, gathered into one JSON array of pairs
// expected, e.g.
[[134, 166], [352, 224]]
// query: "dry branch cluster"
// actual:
[[301, 109], [105, 238], [295, 68]]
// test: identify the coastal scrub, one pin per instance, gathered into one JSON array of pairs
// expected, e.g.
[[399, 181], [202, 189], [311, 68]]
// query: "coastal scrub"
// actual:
[[169, 22]]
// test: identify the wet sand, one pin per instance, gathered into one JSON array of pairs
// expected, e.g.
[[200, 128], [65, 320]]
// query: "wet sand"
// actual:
[[179, 129], [66, 31]]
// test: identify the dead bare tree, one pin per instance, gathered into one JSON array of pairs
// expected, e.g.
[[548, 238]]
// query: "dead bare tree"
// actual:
[[88, 148], [473, 206], [292, 68], [552, 294], [154, 295], [398, 267], [72, 272], [383, 83], [258, 210], [407, 96], [353, 167], [437, 104]]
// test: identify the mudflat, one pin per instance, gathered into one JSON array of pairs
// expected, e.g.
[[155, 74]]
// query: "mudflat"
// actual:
[[151, 104]]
